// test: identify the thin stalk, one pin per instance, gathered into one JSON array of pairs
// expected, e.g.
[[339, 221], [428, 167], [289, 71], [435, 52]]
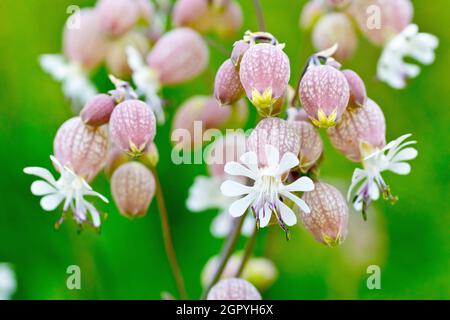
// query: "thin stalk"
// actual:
[[247, 251], [227, 250], [168, 243], [259, 15]]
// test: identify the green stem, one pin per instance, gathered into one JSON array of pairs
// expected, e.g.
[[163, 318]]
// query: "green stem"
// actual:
[[259, 15], [170, 250], [247, 251]]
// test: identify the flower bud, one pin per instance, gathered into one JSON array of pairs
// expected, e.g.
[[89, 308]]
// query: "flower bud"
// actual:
[[82, 148], [365, 124], [239, 49], [335, 28], [117, 58], [98, 110], [358, 94], [338, 3], [265, 73], [133, 188], [233, 289], [311, 145], [276, 132], [227, 86], [328, 218], [324, 94], [195, 14], [178, 56], [132, 126], [311, 12], [394, 16], [116, 158], [118, 16], [297, 114], [229, 21], [85, 44]]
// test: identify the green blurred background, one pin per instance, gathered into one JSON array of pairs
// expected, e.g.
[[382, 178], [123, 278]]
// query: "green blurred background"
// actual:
[[409, 241]]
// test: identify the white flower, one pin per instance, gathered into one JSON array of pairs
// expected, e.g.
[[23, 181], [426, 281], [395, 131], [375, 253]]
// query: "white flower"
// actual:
[[264, 195], [69, 188], [205, 194], [75, 82], [391, 158], [392, 68], [7, 281], [147, 83]]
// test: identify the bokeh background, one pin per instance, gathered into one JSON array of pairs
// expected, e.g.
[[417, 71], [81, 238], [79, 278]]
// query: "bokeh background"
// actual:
[[409, 241]]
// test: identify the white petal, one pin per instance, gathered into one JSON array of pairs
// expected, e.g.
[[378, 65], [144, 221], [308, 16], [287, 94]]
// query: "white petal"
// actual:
[[299, 202], [239, 207], [264, 216], [287, 215], [232, 188], [401, 168], [250, 159], [303, 184], [405, 155], [205, 194], [221, 225], [272, 155], [358, 176], [95, 216], [288, 161], [236, 169], [51, 202], [96, 194], [41, 173], [42, 188], [249, 225], [374, 192]]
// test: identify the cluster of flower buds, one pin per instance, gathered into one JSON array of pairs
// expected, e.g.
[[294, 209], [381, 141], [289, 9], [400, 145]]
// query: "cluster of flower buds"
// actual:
[[386, 23], [223, 17], [111, 130]]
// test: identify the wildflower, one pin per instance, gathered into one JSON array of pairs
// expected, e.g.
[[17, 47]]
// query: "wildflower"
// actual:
[[70, 189], [392, 67], [375, 161]]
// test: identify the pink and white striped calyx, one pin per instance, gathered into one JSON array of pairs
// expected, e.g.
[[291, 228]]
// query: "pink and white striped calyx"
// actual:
[[233, 289], [227, 85]]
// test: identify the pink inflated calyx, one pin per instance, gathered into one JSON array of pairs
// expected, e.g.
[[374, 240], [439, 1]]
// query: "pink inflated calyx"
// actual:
[[98, 110], [358, 94], [227, 85]]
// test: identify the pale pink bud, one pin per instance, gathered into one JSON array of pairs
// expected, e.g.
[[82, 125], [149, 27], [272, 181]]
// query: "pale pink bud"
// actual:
[[233, 289], [324, 94], [265, 73], [311, 145], [151, 155], [178, 56], [98, 110], [133, 188], [229, 147], [276, 132], [358, 94], [132, 126], [118, 16], [117, 58], [81, 147], [361, 125], [146, 10], [116, 157], [335, 28], [338, 3], [328, 219], [85, 43], [239, 49], [229, 20], [311, 12], [227, 86], [195, 14], [394, 16]]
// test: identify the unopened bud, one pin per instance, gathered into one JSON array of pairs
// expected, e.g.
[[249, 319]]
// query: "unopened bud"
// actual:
[[229, 21], [328, 218], [324, 94], [81, 147], [195, 14], [98, 110], [133, 188], [227, 86], [233, 289], [117, 16], [311, 12], [239, 49], [132, 126], [358, 94], [311, 145]]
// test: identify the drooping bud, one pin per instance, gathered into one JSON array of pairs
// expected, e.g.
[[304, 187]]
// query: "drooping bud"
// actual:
[[311, 145], [239, 49], [324, 94], [233, 289], [227, 86], [195, 14], [276, 132], [328, 218], [229, 21], [265, 73], [178, 56], [116, 158], [117, 16], [98, 110], [390, 18], [361, 125], [133, 188], [311, 12], [132, 126], [358, 94], [85, 43], [82, 148], [117, 58], [335, 27], [200, 113]]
